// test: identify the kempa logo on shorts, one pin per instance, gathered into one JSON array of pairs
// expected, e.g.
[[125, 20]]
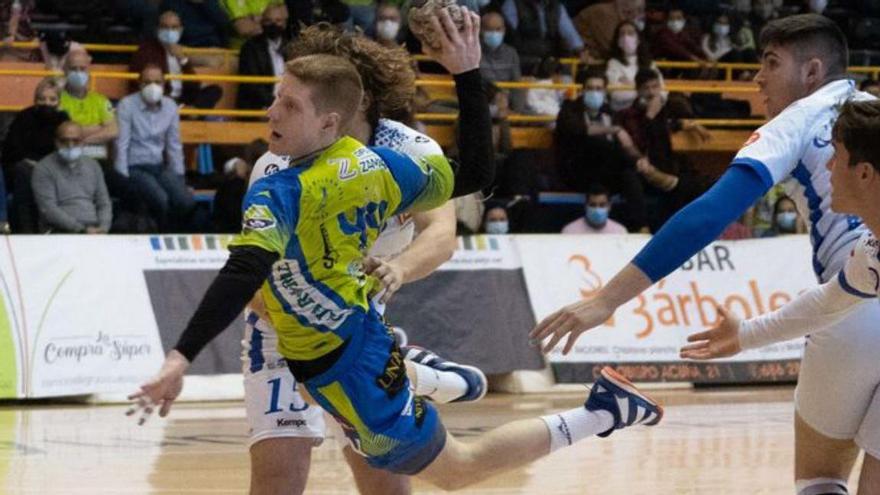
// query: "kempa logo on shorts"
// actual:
[[296, 423]]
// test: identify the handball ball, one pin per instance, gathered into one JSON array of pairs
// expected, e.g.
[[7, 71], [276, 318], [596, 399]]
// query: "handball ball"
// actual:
[[420, 19]]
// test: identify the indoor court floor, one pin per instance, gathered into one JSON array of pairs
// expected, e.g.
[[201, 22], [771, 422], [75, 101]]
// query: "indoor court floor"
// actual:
[[727, 441]]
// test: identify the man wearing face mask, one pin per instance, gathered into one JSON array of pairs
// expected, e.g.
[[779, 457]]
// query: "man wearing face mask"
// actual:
[[500, 61], [388, 25], [149, 152], [263, 56], [597, 23], [69, 187], [592, 149], [205, 22], [675, 41], [165, 51], [90, 109], [595, 218]]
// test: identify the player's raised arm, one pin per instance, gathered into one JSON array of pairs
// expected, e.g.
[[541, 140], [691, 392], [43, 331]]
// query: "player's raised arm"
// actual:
[[459, 52]]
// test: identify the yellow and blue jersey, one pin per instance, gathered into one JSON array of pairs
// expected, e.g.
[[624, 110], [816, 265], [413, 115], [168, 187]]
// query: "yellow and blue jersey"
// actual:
[[321, 217]]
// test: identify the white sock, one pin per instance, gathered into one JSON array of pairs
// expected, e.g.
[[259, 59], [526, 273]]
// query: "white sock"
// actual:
[[440, 386], [568, 427], [821, 486]]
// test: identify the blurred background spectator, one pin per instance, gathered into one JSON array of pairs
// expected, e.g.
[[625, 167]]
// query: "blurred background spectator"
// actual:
[[870, 86], [592, 150], [149, 152], [596, 212], [69, 187], [90, 109], [677, 39], [540, 29], [545, 101], [388, 25], [495, 219], [263, 55], [205, 20], [786, 219], [628, 55], [15, 25], [246, 17], [164, 50], [500, 61], [30, 138], [598, 25], [362, 15]]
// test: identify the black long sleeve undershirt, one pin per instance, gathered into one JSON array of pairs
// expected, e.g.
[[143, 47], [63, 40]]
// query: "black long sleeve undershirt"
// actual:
[[476, 167], [244, 272]]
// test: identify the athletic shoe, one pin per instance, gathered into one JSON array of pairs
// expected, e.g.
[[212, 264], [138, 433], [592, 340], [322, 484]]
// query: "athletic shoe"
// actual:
[[476, 380], [400, 336], [615, 394]]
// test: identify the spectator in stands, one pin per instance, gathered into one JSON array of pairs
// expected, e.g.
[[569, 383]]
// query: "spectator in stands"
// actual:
[[141, 15], [263, 56], [90, 109], [545, 101], [591, 149], [500, 62], [205, 22], [650, 124], [871, 86], [538, 29], [736, 231], [786, 219], [69, 187], [628, 56], [595, 219], [388, 23], [149, 152], [227, 201], [677, 40], [247, 18], [763, 11], [30, 138], [165, 51], [598, 23], [15, 20], [495, 219], [814, 6], [718, 46]]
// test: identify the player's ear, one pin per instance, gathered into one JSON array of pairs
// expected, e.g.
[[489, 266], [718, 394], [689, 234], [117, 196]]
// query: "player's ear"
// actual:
[[366, 101], [331, 123], [814, 71], [867, 172]]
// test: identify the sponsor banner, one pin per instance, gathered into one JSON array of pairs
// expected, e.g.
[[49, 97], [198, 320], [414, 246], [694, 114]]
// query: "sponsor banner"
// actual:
[[747, 277], [484, 252], [80, 315]]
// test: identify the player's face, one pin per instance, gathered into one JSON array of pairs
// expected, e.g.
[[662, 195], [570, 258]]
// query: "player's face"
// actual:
[[295, 126], [844, 180], [781, 79]]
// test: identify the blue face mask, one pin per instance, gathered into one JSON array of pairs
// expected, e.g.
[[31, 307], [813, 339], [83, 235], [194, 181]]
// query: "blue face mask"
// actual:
[[493, 39], [594, 99], [597, 217], [78, 79], [787, 221], [168, 36], [497, 227]]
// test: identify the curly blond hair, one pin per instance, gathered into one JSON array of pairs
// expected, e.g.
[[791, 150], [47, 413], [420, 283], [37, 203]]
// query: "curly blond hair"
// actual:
[[387, 76]]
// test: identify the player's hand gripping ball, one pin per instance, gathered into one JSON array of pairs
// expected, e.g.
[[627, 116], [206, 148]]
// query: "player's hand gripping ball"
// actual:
[[420, 19]]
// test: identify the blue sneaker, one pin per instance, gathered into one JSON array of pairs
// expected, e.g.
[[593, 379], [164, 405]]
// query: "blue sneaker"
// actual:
[[615, 394], [476, 380]]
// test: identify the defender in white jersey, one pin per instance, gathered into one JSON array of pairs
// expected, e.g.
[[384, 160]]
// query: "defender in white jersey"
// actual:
[[855, 177], [803, 77]]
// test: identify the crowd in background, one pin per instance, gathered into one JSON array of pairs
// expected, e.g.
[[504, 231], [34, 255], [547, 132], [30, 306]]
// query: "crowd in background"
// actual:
[[77, 162]]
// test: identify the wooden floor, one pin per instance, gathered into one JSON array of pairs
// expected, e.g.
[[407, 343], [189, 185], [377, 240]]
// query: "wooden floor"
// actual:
[[719, 442]]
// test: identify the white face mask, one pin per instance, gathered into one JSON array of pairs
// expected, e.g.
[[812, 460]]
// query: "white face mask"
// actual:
[[676, 26], [152, 93], [70, 154], [387, 30]]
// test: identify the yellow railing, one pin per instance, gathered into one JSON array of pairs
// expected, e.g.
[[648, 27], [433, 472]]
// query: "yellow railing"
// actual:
[[226, 53]]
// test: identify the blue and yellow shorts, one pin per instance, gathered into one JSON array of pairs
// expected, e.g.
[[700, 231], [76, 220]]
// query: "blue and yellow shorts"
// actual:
[[368, 393]]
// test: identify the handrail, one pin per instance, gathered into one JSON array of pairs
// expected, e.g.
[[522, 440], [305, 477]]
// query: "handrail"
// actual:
[[107, 48]]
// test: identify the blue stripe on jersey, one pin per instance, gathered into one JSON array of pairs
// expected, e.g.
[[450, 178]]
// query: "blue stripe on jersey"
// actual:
[[802, 175], [410, 180], [841, 277], [256, 352], [757, 166]]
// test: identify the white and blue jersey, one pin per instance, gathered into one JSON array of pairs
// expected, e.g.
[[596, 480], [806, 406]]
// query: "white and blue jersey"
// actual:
[[861, 276], [797, 144]]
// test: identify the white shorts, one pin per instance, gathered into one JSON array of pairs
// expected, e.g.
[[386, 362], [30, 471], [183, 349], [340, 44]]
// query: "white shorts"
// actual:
[[275, 408], [837, 392]]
